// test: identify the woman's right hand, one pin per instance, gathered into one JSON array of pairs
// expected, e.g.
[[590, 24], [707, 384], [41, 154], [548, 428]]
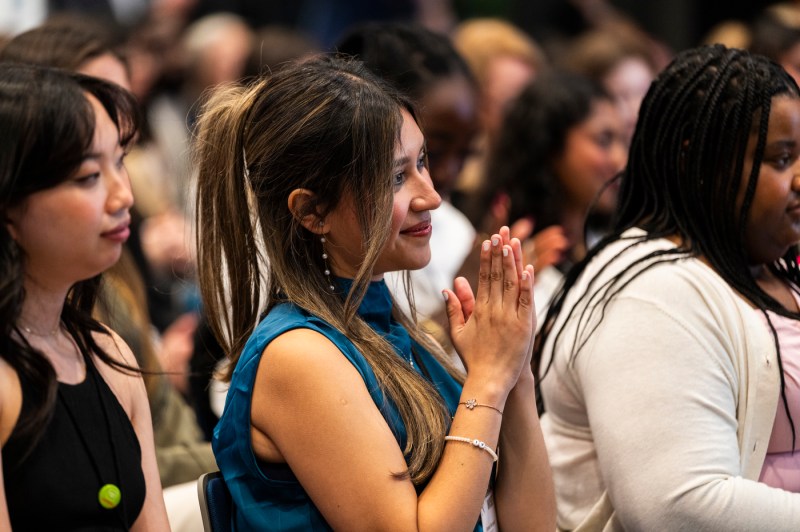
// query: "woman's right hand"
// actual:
[[492, 331]]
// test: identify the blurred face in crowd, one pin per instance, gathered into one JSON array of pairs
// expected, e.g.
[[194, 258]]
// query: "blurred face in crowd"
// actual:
[[594, 152], [627, 83], [506, 77], [107, 67], [449, 115]]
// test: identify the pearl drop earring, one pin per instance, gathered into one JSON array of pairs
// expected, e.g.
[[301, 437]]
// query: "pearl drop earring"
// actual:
[[325, 260]]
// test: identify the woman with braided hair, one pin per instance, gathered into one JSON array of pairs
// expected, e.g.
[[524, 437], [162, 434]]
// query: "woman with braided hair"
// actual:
[[671, 356]]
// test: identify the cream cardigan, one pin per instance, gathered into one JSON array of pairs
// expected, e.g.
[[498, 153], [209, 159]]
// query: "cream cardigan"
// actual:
[[662, 420]]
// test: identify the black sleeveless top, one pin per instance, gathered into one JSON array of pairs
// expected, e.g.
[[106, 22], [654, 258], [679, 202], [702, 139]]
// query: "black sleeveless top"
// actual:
[[56, 486]]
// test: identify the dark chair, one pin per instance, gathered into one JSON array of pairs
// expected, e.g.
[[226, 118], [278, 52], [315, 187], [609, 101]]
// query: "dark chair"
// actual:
[[216, 506]]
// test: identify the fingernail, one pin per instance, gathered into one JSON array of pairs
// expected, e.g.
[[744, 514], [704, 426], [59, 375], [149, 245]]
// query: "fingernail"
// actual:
[[445, 295], [486, 245], [505, 252], [525, 275], [495, 241]]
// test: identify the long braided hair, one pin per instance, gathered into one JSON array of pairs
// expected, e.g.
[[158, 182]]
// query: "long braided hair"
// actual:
[[684, 176]]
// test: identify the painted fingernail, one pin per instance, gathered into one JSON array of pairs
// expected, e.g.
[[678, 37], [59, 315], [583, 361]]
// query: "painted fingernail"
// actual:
[[505, 252], [445, 295], [495, 241], [486, 245]]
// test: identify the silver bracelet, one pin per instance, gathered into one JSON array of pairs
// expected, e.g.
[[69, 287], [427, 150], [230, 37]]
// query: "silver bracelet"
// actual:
[[470, 404], [475, 443]]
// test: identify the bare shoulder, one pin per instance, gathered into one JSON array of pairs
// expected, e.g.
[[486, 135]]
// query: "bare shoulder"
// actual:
[[298, 347], [113, 345], [307, 355], [10, 400], [323, 422], [127, 385], [303, 359]]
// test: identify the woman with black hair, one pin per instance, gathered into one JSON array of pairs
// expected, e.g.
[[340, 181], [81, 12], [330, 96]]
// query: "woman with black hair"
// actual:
[[561, 143], [75, 429], [670, 355]]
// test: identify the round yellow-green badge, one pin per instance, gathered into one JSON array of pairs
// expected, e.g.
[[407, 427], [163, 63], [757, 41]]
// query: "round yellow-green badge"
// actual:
[[109, 496]]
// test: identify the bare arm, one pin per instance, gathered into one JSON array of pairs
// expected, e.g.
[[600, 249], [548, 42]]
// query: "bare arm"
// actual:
[[5, 521], [328, 429], [325, 425], [10, 405], [131, 393], [524, 493]]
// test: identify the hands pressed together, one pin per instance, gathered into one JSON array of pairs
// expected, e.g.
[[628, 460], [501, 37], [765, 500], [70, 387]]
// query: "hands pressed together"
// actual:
[[493, 330]]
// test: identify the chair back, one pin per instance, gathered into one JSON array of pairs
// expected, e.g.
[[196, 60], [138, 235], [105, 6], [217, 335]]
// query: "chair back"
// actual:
[[216, 506]]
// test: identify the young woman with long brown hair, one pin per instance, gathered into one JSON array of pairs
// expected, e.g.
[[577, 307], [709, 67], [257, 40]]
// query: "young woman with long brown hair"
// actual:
[[341, 412]]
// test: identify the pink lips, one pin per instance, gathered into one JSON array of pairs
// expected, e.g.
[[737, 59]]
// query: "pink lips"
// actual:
[[418, 230], [119, 234]]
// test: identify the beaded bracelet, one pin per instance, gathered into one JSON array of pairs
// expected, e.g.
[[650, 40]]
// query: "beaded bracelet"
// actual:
[[472, 403], [476, 443]]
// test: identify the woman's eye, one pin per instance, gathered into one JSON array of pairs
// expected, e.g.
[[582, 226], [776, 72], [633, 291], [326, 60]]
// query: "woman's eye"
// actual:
[[87, 179], [399, 179], [784, 161], [605, 139], [422, 162]]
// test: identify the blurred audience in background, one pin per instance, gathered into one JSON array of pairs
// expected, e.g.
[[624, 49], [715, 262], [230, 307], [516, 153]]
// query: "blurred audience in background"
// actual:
[[503, 60], [776, 34], [562, 143], [619, 61]]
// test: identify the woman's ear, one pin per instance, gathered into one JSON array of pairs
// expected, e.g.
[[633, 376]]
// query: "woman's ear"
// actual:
[[303, 206], [12, 215]]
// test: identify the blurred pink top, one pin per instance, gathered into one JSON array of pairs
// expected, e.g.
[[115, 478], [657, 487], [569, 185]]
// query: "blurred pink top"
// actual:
[[782, 467]]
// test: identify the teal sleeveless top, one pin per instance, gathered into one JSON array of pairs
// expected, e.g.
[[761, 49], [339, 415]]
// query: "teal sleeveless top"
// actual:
[[268, 496]]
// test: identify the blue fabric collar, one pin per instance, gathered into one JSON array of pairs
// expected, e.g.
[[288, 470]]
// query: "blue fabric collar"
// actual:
[[376, 310]]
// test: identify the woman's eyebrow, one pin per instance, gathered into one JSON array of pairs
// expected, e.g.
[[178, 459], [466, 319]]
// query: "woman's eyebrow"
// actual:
[[402, 161]]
